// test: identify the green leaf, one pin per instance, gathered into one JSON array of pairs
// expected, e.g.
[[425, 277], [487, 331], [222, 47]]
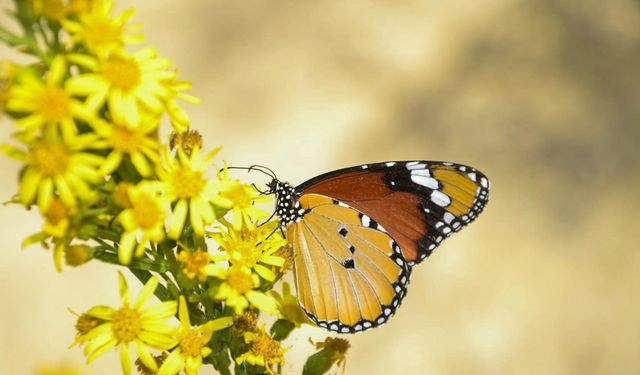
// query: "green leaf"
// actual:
[[281, 329], [318, 363], [221, 361]]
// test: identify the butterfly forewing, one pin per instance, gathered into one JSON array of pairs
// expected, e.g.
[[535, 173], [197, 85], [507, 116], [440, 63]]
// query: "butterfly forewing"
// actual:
[[349, 276], [419, 203]]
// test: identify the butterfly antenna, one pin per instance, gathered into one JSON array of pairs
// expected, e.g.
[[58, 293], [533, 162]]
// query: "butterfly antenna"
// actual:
[[258, 189], [263, 169], [259, 168], [268, 219]]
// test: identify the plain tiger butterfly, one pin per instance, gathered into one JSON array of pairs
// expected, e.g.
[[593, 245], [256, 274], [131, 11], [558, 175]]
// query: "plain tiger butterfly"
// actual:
[[357, 232]]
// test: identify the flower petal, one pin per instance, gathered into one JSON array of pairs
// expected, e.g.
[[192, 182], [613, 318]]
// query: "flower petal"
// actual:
[[173, 364], [146, 292]]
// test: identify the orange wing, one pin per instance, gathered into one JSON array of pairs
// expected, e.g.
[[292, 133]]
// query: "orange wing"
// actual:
[[349, 276], [418, 203]]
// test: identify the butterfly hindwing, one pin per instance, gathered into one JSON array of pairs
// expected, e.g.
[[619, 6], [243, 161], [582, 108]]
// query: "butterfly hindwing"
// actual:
[[418, 202], [350, 275]]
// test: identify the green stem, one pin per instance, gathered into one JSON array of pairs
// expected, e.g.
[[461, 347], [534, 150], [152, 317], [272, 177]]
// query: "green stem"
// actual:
[[108, 254]]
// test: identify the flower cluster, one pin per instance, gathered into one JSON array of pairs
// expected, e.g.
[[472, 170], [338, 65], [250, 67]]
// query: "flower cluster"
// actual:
[[87, 114]]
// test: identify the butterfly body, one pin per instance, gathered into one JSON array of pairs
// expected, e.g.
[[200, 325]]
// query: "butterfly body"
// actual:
[[357, 232]]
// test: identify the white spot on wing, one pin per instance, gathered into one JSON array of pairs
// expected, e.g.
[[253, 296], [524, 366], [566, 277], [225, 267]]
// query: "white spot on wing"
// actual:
[[390, 164], [365, 220], [440, 198], [484, 182], [428, 182], [415, 165], [448, 217], [472, 176]]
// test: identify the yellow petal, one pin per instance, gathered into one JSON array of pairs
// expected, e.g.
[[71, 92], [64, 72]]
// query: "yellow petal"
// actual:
[[262, 301], [178, 219], [144, 355], [58, 70], [146, 292], [124, 289], [173, 364], [29, 185], [263, 271], [183, 313], [125, 358], [45, 194], [125, 251], [111, 163]]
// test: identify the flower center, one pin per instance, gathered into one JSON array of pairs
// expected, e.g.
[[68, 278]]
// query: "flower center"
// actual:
[[86, 323], [192, 343], [267, 348], [194, 262], [56, 212], [101, 32], [146, 212], [121, 195], [187, 183], [125, 140], [244, 253], [54, 104], [126, 324], [50, 160], [239, 280], [122, 73]]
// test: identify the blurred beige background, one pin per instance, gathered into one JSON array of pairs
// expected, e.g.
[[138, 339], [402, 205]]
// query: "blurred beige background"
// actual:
[[541, 95]]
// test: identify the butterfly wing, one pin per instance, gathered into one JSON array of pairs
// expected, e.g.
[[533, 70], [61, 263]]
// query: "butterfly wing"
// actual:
[[417, 203], [349, 276]]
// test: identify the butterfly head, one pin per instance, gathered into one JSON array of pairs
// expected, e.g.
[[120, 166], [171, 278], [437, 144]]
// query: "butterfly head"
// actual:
[[287, 205]]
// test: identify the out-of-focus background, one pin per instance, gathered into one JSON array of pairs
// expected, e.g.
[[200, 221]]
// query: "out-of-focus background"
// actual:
[[541, 95]]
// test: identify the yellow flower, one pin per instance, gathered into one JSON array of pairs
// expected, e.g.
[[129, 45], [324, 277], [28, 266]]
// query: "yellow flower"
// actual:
[[128, 83], [130, 324], [253, 248], [289, 307], [138, 143], [8, 72], [238, 289], [265, 351], [47, 103], [54, 10], [244, 198], [188, 141], [57, 218], [97, 30], [194, 263], [77, 255], [144, 221], [57, 167], [81, 6], [192, 192], [247, 322], [178, 117], [335, 349], [192, 347]]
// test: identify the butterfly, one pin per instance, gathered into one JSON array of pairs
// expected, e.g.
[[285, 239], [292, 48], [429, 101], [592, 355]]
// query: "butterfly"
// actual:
[[357, 233]]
